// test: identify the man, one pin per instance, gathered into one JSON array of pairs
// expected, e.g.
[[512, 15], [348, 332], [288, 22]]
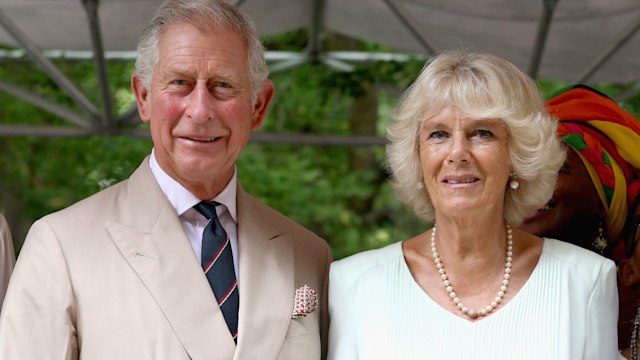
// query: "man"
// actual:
[[115, 276]]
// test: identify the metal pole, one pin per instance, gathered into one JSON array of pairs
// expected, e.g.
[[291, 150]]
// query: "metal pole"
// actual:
[[609, 50], [47, 66], [406, 20], [549, 7], [91, 8]]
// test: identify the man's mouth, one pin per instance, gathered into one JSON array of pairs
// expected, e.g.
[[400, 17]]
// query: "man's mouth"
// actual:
[[209, 139]]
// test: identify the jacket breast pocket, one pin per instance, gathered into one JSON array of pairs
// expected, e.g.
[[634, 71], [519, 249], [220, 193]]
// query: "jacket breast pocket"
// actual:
[[303, 326], [302, 341]]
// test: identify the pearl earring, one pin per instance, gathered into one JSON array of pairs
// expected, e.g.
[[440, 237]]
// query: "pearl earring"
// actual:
[[514, 184]]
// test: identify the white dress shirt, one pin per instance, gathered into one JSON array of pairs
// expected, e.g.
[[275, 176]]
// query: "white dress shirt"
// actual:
[[192, 221]]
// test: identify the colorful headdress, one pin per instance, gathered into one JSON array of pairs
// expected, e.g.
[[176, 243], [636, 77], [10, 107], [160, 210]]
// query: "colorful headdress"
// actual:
[[607, 139]]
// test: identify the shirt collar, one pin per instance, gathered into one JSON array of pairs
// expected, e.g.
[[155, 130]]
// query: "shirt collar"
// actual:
[[182, 199]]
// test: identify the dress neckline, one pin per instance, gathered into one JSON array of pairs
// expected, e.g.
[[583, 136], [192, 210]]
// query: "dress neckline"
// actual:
[[503, 308]]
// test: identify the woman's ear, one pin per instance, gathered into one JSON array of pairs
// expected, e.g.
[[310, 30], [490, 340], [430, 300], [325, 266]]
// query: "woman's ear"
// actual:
[[628, 272]]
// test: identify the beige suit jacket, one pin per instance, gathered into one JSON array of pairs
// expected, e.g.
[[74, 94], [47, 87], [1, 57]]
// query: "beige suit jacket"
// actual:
[[114, 277]]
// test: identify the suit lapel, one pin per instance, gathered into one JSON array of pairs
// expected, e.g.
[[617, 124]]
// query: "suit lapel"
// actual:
[[266, 281], [154, 244]]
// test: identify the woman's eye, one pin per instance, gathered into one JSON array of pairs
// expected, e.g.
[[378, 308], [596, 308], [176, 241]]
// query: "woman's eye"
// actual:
[[483, 133], [565, 169], [437, 135]]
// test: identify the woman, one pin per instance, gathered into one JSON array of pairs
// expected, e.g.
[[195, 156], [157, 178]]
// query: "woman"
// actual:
[[600, 177], [599, 180], [629, 282], [473, 150]]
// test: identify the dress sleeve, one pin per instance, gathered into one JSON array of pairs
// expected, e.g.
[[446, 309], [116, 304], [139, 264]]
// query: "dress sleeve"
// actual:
[[342, 339], [602, 316], [38, 317]]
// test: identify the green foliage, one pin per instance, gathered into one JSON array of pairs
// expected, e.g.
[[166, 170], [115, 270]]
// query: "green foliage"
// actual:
[[350, 205]]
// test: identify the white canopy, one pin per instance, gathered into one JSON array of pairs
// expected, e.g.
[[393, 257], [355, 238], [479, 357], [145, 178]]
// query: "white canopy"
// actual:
[[572, 40]]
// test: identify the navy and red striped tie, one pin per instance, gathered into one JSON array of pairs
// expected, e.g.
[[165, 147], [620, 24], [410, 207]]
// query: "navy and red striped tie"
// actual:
[[217, 263]]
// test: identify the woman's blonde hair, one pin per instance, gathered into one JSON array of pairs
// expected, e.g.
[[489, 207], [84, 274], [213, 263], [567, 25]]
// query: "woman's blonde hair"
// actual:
[[480, 86]]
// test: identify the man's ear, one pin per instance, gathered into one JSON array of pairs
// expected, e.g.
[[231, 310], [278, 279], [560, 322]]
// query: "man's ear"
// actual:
[[142, 97], [262, 104], [627, 272]]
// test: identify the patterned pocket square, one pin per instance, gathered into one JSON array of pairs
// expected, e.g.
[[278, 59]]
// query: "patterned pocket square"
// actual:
[[305, 302]]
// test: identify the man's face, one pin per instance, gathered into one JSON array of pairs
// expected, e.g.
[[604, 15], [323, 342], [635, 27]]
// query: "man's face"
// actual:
[[199, 106], [573, 212]]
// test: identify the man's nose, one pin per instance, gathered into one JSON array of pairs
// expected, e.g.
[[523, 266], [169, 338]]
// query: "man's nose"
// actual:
[[200, 103]]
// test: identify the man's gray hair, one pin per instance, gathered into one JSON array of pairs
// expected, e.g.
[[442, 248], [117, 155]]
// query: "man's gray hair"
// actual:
[[206, 15]]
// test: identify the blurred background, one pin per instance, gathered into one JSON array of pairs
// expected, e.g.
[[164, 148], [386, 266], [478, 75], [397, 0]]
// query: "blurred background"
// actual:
[[69, 128]]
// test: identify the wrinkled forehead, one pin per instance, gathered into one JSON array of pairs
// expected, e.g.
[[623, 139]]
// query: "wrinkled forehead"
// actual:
[[453, 112], [469, 103]]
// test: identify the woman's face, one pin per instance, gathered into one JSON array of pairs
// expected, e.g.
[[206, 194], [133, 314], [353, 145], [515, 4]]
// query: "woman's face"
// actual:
[[465, 162], [574, 211]]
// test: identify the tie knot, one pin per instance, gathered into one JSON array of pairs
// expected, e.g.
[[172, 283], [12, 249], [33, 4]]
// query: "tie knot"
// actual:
[[207, 209]]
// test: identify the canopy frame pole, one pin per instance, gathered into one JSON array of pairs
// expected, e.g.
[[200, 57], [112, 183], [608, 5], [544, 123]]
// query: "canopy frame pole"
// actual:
[[45, 104], [47, 66], [91, 8], [602, 56], [548, 10], [314, 48], [408, 22]]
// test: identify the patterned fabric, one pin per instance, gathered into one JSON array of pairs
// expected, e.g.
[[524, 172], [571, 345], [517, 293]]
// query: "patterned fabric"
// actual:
[[217, 263], [305, 301], [607, 139]]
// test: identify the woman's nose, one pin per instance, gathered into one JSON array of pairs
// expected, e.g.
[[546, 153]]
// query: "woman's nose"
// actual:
[[459, 149]]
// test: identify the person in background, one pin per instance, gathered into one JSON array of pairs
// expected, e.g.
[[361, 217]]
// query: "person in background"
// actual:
[[596, 185], [7, 257], [178, 261], [473, 150], [629, 285]]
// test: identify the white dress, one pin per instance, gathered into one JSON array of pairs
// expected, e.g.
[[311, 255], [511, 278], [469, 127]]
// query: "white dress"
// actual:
[[567, 309]]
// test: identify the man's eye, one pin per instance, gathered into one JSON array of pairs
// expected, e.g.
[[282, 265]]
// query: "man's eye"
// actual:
[[223, 85], [179, 82]]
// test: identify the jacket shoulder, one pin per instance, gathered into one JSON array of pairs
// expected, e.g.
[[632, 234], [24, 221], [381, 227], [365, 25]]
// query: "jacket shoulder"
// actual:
[[302, 236]]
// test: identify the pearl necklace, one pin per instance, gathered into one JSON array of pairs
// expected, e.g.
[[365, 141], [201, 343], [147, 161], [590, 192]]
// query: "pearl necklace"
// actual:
[[447, 284]]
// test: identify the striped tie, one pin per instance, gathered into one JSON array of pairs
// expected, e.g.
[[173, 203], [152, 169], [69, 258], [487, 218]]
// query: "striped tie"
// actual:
[[217, 263]]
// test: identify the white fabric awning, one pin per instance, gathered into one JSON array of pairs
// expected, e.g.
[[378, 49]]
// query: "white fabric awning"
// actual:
[[579, 30], [589, 41]]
